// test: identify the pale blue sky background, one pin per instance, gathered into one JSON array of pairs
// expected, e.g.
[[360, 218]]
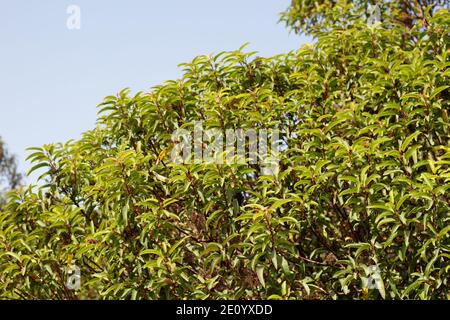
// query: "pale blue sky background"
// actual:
[[52, 78]]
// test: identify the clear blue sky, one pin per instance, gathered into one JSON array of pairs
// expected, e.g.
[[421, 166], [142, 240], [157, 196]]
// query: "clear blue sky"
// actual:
[[52, 78]]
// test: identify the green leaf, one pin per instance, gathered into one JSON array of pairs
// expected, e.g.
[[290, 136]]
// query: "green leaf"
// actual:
[[36, 167], [381, 288], [125, 209], [281, 202], [409, 139], [176, 245], [437, 91], [151, 251], [260, 274]]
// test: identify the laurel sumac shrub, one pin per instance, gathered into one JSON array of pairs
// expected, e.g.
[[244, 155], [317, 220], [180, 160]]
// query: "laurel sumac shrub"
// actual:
[[364, 181]]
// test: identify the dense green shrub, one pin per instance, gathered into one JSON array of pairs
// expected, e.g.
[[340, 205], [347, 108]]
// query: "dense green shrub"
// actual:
[[364, 180]]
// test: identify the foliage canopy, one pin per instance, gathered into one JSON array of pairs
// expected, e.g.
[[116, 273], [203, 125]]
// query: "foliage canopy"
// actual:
[[364, 179]]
